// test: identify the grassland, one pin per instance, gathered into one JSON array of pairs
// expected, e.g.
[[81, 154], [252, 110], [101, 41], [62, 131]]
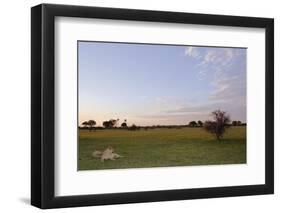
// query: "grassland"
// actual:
[[161, 147]]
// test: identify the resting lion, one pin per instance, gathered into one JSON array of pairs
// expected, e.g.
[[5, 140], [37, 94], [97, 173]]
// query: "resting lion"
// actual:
[[107, 154]]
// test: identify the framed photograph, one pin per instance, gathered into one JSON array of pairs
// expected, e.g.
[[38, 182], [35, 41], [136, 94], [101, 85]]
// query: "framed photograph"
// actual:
[[139, 106]]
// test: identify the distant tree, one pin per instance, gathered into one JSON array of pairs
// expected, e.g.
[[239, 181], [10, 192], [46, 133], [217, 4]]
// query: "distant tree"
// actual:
[[107, 124], [234, 123], [210, 126], [114, 122], [85, 124], [200, 123], [192, 124], [133, 127], [219, 125], [89, 124], [110, 124], [124, 124]]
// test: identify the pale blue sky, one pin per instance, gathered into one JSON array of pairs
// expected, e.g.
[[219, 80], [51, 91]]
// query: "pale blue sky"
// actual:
[[159, 84]]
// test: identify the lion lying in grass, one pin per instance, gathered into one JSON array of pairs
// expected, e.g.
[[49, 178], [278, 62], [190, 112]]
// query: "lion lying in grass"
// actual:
[[107, 154]]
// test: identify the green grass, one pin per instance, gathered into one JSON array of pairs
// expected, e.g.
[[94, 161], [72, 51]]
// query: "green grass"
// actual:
[[162, 147]]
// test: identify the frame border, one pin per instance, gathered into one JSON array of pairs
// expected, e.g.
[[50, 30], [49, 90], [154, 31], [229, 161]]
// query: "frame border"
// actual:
[[43, 114]]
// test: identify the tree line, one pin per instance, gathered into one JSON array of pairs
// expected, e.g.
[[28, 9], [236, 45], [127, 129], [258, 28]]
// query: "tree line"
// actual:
[[221, 121], [201, 124]]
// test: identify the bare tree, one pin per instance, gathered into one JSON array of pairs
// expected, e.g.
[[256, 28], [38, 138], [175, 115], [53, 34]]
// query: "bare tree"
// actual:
[[219, 125]]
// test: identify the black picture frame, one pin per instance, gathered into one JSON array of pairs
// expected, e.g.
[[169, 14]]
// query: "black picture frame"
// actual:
[[43, 114]]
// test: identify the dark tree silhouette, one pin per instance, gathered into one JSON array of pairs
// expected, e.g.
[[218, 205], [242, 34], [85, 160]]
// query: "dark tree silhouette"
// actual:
[[107, 124], [114, 122], [89, 124], [236, 123], [85, 124], [124, 124], [111, 123], [192, 124], [200, 123], [133, 127], [219, 125]]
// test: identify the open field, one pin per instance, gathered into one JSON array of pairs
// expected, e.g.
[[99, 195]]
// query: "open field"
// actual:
[[161, 147]]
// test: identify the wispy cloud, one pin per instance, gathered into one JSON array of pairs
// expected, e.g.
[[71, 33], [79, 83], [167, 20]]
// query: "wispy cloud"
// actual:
[[216, 61], [229, 79], [191, 109], [170, 119], [212, 60], [218, 64], [193, 52], [225, 69]]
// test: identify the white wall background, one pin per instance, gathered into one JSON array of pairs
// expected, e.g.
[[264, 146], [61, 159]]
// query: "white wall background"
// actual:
[[15, 105]]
